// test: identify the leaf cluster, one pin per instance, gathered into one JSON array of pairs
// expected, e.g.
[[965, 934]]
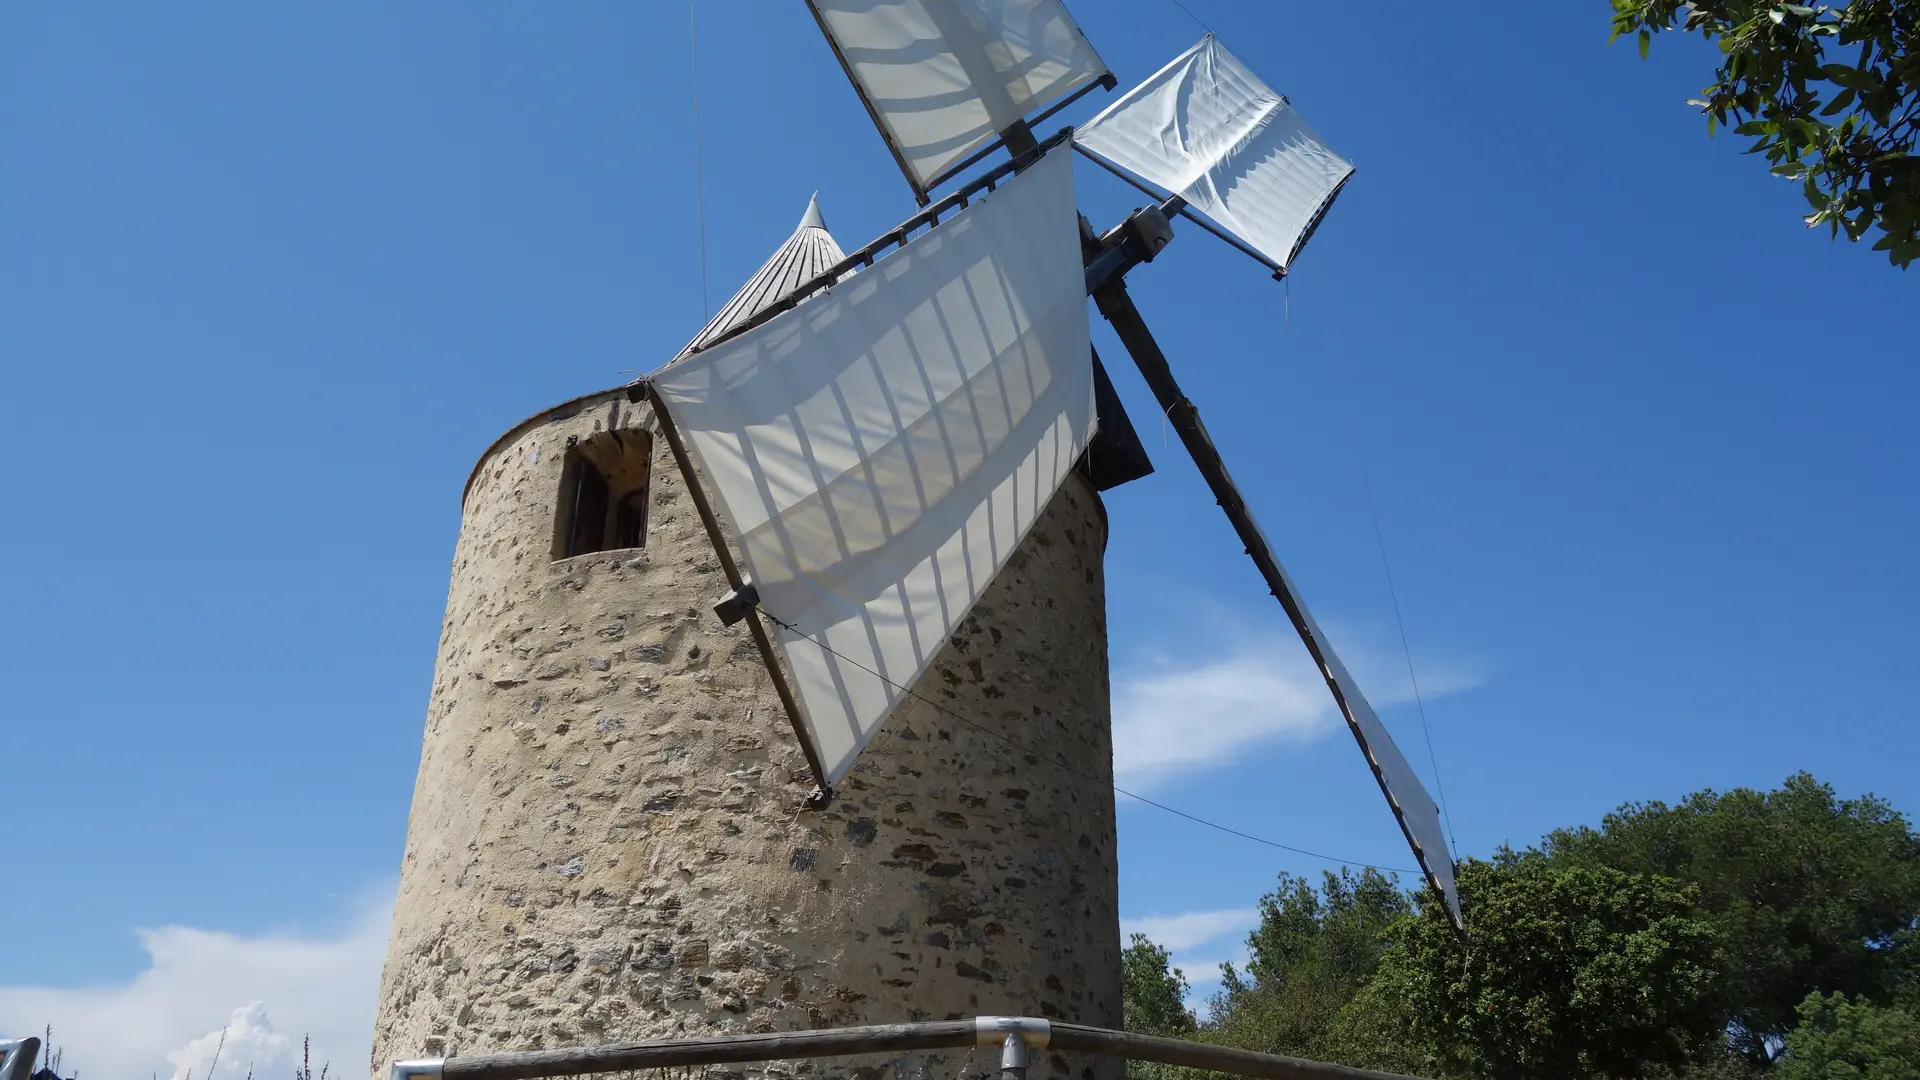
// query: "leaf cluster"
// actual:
[[1153, 993], [1575, 971], [1838, 1039], [1806, 892], [1564, 971], [1313, 952], [1830, 95], [1673, 942], [1153, 1002]]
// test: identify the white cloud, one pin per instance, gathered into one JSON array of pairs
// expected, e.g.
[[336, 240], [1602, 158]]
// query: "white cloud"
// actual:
[[1179, 718], [269, 990], [1200, 942], [1203, 974], [1177, 933], [248, 1037]]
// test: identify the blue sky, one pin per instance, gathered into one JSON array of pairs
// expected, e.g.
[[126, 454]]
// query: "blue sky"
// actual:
[[272, 276]]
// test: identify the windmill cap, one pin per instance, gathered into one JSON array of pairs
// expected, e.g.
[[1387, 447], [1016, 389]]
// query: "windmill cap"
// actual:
[[812, 219], [809, 252]]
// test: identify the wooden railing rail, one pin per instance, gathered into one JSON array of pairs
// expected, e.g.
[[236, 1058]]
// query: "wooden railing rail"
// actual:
[[1015, 1036]]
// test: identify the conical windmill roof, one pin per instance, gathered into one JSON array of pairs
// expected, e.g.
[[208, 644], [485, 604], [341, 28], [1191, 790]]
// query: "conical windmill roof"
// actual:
[[808, 253]]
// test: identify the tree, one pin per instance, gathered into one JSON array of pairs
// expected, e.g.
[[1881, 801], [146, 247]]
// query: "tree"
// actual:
[[1153, 995], [1565, 971], [1851, 1040], [1312, 953], [1153, 1001], [1807, 892], [1332, 936], [1376, 1030], [1830, 95]]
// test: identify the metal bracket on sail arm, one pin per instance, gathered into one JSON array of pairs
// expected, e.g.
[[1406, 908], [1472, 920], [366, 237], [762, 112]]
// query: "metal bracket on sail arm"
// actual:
[[1180, 205], [742, 603], [735, 606], [1106, 283], [17, 1057], [1017, 138], [1137, 240]]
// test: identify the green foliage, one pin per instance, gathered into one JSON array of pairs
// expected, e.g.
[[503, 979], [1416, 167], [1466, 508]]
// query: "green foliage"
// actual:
[[1565, 971], [1807, 892], [1376, 1030], [1830, 96], [1334, 936], [1313, 951], [1851, 1040], [1717, 1063], [1670, 943], [1153, 1002], [1153, 995]]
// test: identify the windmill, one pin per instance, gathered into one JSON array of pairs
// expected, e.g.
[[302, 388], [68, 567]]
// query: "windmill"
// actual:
[[882, 435]]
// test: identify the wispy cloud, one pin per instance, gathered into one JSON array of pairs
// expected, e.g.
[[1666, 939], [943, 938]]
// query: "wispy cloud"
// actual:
[[1180, 717], [1178, 933], [1200, 942], [264, 992]]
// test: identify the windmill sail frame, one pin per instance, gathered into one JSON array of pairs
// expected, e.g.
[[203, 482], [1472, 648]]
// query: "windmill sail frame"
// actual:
[[1246, 165], [880, 455], [1082, 74], [1231, 154], [1376, 744], [642, 390], [1200, 219]]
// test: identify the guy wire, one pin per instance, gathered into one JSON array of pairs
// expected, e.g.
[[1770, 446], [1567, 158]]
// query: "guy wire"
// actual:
[[1203, 23], [1440, 788], [1070, 770], [699, 177]]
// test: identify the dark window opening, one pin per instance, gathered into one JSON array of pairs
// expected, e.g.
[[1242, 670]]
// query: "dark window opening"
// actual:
[[603, 495], [630, 520], [588, 492]]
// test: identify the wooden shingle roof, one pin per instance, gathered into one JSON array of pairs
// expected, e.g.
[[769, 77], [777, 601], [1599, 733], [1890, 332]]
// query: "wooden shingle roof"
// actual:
[[808, 253]]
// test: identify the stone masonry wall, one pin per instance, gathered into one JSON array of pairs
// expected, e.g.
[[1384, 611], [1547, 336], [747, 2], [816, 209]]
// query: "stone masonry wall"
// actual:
[[607, 839]]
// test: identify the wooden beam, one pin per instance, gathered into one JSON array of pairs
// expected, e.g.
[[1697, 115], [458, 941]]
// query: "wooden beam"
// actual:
[[717, 1050], [824, 791], [1101, 1042], [889, 1039]]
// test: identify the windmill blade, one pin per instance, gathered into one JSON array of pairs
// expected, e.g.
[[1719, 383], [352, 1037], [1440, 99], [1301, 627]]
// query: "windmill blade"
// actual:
[[1207, 129], [1419, 817], [943, 79], [881, 449]]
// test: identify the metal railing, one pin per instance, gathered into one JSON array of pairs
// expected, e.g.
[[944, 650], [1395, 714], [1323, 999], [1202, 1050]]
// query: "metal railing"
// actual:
[[1015, 1035], [17, 1057]]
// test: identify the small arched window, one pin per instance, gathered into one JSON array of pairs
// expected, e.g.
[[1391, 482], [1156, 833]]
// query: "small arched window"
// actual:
[[603, 494]]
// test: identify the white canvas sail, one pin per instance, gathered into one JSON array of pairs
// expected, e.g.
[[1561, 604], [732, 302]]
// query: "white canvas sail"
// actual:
[[1206, 128], [1418, 814], [942, 78], [880, 450]]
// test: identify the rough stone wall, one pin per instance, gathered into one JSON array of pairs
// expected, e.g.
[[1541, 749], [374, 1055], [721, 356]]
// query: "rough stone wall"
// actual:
[[607, 842]]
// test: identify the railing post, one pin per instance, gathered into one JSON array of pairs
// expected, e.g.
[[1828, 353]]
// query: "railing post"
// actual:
[[1016, 1036], [1013, 1057], [418, 1069]]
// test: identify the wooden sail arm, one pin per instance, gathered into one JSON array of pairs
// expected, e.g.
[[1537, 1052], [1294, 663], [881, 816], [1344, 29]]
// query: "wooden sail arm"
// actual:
[[1118, 308]]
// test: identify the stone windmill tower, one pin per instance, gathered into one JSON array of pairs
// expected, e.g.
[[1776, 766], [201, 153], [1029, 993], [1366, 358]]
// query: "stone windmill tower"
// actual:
[[608, 838], [873, 783]]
